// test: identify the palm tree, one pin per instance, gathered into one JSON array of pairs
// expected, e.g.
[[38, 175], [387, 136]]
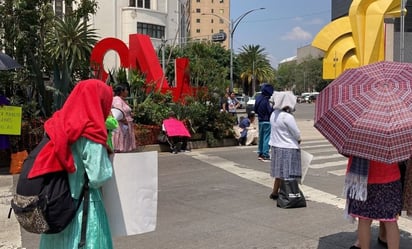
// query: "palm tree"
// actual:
[[69, 44], [255, 66]]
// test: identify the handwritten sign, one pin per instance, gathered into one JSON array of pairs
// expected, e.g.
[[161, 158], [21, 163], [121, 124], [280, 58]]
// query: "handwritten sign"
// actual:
[[10, 120]]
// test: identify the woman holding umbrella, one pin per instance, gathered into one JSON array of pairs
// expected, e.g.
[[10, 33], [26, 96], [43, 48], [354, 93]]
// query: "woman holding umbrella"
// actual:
[[374, 192], [366, 113]]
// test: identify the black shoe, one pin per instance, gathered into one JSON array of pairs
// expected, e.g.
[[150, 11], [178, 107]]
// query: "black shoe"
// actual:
[[382, 243], [354, 247], [273, 196], [178, 146]]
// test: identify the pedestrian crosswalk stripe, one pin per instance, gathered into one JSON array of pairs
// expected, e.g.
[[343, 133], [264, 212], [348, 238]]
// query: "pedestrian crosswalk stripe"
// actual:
[[333, 156], [264, 179], [321, 150], [328, 164], [315, 146], [314, 141], [339, 172]]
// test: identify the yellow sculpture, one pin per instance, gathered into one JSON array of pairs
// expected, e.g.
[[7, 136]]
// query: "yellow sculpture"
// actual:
[[357, 39]]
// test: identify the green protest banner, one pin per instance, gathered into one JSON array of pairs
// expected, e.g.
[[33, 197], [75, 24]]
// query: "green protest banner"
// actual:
[[10, 120]]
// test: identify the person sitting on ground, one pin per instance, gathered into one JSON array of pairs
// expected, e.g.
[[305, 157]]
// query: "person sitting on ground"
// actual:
[[248, 132], [176, 133]]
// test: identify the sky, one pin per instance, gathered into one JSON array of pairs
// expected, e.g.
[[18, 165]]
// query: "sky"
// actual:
[[281, 28]]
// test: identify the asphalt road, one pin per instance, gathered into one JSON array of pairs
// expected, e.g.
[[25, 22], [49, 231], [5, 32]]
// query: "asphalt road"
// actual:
[[218, 198]]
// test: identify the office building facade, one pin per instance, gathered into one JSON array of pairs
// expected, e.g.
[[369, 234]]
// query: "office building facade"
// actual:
[[207, 18]]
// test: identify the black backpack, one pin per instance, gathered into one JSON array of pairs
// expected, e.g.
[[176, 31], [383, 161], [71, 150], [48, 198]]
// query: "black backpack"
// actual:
[[44, 204]]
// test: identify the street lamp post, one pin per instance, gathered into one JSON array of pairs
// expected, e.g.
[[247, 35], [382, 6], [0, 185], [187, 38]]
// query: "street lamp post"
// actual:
[[402, 33], [232, 28]]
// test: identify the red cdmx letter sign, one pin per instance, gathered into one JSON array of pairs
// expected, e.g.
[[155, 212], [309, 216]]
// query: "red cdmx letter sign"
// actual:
[[141, 55]]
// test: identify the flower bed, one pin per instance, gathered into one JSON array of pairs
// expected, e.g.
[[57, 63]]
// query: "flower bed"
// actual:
[[146, 134]]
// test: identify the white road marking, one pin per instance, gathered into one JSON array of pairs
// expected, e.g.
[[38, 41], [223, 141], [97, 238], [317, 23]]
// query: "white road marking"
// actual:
[[339, 172], [314, 141], [322, 150], [333, 156], [328, 164], [265, 180], [314, 146]]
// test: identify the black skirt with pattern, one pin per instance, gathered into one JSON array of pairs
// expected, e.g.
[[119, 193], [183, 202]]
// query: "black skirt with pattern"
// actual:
[[384, 202]]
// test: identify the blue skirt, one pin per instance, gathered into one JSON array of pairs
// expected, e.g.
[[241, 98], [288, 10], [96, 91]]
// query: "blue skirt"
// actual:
[[285, 163]]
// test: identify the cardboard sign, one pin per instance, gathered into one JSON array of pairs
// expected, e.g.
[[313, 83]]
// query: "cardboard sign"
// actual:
[[130, 196], [10, 120]]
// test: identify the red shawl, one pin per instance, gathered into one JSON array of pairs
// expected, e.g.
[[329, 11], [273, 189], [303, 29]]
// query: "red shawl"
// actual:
[[82, 115]]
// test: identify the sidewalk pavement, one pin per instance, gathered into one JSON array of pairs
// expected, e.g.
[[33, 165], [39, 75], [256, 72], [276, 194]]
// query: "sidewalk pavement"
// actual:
[[308, 132], [10, 235]]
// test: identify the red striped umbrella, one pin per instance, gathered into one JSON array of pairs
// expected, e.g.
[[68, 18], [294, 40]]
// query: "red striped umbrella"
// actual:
[[367, 112]]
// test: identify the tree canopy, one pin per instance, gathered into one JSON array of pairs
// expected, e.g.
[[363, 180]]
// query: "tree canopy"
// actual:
[[255, 67]]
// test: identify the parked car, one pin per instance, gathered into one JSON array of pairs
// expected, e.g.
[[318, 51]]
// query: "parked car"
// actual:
[[309, 97], [242, 100], [250, 105], [300, 99]]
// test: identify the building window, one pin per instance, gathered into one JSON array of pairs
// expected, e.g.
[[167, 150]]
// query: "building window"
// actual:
[[221, 11], [132, 3], [197, 1], [143, 4], [197, 30], [211, 31], [221, 20], [221, 31], [212, 11], [197, 10], [221, 1], [211, 20], [197, 20], [152, 30]]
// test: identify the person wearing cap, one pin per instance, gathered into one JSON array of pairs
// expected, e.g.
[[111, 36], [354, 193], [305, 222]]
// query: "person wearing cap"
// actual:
[[263, 109]]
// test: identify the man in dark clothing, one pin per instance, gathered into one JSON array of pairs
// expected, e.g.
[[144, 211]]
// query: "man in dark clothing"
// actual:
[[264, 109]]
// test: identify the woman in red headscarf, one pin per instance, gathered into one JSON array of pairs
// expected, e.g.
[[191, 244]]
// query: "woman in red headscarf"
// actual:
[[77, 144]]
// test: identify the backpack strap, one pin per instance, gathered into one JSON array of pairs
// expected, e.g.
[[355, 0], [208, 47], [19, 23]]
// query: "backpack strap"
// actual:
[[86, 202]]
